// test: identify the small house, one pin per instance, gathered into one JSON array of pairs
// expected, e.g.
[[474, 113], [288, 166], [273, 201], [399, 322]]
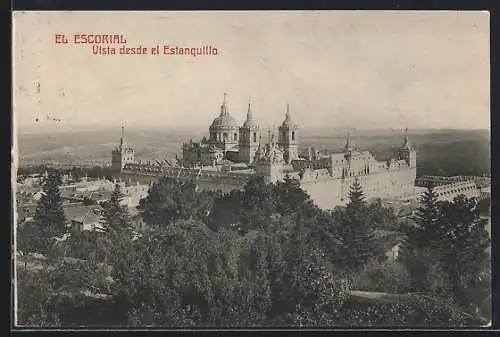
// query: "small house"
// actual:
[[83, 218]]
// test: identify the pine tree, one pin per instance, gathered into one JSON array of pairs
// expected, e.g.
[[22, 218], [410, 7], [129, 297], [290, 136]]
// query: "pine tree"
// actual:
[[427, 219], [357, 243], [49, 219], [422, 241], [115, 217]]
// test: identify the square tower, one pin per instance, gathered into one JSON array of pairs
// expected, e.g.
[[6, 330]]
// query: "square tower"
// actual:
[[288, 138], [249, 139], [122, 155]]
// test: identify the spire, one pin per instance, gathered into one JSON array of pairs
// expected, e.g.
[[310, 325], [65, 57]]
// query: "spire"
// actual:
[[122, 138], [347, 142], [258, 153], [288, 118], [407, 142], [249, 112], [223, 107]]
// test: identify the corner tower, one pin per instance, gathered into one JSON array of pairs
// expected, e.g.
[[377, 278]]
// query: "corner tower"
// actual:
[[122, 154], [288, 137], [249, 139], [407, 152]]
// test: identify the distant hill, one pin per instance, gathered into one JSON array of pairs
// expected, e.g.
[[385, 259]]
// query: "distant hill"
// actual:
[[440, 152]]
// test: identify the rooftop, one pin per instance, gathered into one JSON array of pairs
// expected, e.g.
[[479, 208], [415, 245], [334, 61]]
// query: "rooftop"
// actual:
[[82, 213]]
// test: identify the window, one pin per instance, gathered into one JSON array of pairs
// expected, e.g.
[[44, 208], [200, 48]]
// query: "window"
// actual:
[[254, 137], [293, 135], [235, 136]]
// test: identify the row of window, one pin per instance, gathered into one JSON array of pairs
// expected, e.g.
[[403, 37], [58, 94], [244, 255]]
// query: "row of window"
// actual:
[[224, 137], [456, 190]]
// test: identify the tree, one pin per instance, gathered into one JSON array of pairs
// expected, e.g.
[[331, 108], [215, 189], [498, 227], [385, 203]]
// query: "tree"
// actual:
[[357, 243], [115, 216], [115, 220], [169, 200], [244, 210], [427, 220], [254, 280], [419, 248], [289, 196], [306, 288], [382, 217], [34, 300], [462, 245], [386, 277], [257, 204], [49, 220]]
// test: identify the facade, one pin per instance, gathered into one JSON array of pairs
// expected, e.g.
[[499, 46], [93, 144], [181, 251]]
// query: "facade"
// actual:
[[232, 155], [122, 154]]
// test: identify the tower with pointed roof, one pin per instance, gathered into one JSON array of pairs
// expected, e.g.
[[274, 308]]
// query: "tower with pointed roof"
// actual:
[[407, 152], [348, 147], [122, 154], [288, 137], [249, 138]]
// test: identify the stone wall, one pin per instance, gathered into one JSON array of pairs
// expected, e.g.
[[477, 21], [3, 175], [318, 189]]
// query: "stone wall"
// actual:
[[328, 192]]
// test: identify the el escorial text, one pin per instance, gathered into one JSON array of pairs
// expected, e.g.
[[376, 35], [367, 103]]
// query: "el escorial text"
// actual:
[[116, 44]]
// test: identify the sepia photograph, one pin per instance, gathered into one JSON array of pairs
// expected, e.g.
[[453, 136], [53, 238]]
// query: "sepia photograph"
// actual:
[[251, 169]]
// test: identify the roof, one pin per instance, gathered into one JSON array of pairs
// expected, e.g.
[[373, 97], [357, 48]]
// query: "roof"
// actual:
[[97, 195], [288, 123], [250, 122], [82, 214], [224, 121]]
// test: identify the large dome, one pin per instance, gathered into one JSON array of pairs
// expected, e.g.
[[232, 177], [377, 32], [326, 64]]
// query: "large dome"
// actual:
[[224, 121]]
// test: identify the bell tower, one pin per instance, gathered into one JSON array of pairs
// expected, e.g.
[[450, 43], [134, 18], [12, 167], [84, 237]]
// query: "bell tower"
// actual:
[[249, 138], [122, 154], [288, 137], [407, 152]]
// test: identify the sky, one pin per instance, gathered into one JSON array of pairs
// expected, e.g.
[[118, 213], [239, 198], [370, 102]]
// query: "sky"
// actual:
[[357, 69]]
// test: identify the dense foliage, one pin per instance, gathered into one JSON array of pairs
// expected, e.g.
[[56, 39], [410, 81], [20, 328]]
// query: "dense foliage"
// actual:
[[446, 252], [49, 220], [261, 256]]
